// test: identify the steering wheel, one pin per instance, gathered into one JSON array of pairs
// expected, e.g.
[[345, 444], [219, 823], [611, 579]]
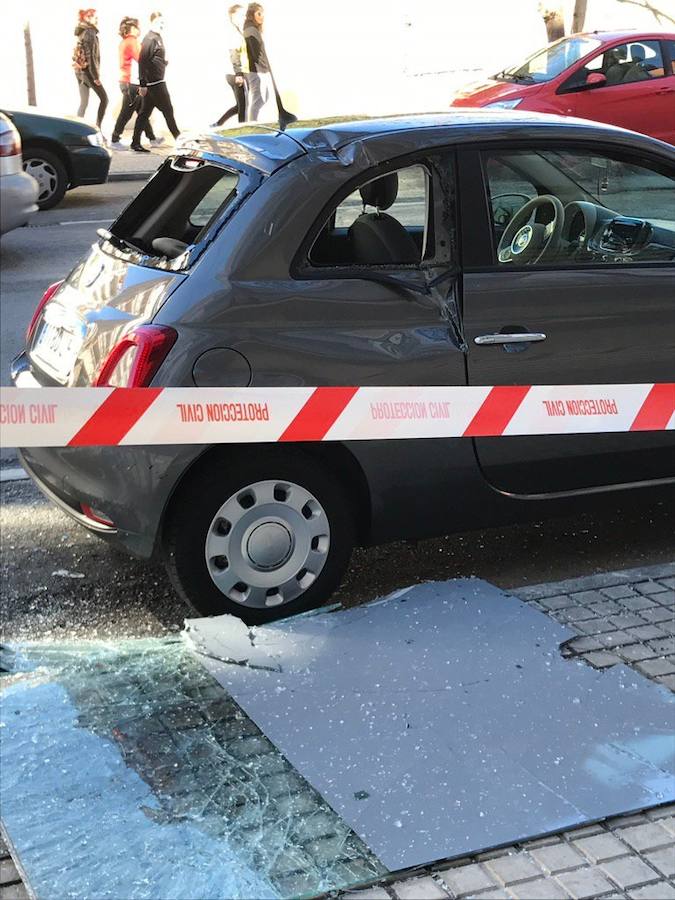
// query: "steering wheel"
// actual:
[[528, 242]]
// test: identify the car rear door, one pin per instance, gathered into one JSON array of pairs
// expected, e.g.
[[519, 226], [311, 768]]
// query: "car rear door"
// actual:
[[638, 93], [606, 320]]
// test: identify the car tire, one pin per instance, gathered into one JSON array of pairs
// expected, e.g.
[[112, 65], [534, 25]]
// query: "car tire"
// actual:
[[50, 174], [272, 527]]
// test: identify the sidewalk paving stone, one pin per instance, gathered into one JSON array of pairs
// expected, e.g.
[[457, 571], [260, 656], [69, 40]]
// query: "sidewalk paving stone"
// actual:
[[585, 883], [661, 891], [602, 847], [424, 888], [650, 836], [663, 860], [467, 879], [539, 889], [558, 857], [513, 868], [629, 872]]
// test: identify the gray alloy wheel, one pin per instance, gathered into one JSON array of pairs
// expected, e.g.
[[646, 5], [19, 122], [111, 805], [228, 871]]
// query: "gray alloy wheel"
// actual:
[[267, 544]]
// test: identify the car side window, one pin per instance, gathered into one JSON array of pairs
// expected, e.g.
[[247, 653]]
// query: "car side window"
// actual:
[[385, 221], [636, 61], [587, 209]]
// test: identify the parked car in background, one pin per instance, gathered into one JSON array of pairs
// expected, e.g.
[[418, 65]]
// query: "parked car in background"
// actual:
[[476, 248], [60, 153], [18, 191], [623, 78]]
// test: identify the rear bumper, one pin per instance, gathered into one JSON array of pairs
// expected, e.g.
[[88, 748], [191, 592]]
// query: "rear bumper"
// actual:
[[18, 196], [89, 165]]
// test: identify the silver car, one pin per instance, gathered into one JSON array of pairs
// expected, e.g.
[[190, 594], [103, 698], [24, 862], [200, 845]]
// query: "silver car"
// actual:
[[18, 191]]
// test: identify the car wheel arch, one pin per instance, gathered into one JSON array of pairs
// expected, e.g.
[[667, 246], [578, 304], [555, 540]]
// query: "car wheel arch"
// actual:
[[333, 456]]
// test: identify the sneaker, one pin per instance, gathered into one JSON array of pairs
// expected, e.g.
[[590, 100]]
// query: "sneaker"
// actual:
[[157, 142], [138, 148], [118, 145]]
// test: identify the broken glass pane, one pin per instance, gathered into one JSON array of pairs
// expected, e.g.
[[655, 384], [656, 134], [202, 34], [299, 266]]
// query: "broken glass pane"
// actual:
[[129, 772]]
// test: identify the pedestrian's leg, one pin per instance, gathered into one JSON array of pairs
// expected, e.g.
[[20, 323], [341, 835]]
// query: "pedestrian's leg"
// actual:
[[163, 103], [84, 97], [126, 112], [137, 104], [142, 119], [99, 90], [255, 100], [240, 95], [233, 109]]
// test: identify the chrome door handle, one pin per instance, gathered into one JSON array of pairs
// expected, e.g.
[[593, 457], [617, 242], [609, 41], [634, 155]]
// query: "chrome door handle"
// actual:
[[518, 338]]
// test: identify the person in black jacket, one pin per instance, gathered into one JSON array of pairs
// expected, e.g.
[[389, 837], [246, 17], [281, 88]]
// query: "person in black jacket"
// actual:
[[87, 63], [152, 65]]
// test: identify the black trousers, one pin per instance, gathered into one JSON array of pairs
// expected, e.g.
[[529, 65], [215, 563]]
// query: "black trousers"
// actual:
[[157, 97], [131, 103], [86, 84], [239, 107]]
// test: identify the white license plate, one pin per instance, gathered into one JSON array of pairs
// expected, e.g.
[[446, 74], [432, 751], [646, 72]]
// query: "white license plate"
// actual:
[[56, 350]]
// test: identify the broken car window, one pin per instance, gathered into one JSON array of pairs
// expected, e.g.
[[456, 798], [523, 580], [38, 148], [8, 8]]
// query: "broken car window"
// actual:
[[385, 221]]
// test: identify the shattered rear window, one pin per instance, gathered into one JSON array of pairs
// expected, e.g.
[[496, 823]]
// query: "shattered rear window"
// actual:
[[175, 211]]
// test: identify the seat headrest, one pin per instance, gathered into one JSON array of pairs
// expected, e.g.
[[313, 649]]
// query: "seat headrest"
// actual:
[[638, 53], [380, 193]]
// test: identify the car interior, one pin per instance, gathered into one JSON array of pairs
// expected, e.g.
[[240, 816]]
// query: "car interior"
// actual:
[[567, 207], [624, 64]]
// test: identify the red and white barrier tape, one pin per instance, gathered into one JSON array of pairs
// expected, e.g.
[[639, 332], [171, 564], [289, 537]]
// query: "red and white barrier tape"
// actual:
[[79, 417]]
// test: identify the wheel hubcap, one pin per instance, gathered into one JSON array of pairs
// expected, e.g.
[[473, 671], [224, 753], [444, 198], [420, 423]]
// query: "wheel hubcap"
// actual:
[[44, 174], [267, 544]]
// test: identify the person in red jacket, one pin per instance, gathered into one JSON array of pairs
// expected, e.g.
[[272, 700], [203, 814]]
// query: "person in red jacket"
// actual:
[[129, 51]]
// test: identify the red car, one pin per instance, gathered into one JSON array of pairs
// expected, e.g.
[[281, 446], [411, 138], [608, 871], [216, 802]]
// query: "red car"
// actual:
[[622, 78]]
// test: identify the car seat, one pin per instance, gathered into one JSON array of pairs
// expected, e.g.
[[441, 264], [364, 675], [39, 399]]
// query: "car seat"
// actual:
[[377, 238], [615, 65], [635, 70]]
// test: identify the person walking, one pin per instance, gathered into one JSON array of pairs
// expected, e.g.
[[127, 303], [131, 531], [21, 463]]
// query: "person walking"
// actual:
[[152, 65], [237, 52], [87, 63], [259, 78], [129, 51]]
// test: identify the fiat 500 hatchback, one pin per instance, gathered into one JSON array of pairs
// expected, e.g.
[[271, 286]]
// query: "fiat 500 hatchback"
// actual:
[[476, 248]]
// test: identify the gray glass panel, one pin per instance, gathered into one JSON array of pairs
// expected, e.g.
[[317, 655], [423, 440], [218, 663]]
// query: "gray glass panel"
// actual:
[[443, 720]]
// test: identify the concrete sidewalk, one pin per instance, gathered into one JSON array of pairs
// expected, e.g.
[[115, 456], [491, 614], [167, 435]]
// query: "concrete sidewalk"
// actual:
[[127, 165]]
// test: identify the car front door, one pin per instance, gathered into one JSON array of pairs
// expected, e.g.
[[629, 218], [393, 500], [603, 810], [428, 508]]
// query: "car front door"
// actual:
[[631, 85], [606, 309]]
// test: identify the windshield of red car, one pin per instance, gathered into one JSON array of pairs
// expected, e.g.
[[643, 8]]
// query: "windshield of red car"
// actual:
[[548, 63]]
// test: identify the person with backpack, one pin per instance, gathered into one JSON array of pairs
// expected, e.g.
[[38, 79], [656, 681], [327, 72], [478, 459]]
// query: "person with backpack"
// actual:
[[87, 63], [152, 65], [129, 52]]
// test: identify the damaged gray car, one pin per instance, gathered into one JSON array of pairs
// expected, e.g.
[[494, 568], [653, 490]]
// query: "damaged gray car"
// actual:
[[481, 247]]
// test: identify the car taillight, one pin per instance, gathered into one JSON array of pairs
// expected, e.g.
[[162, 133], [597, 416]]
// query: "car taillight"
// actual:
[[10, 142], [134, 361], [46, 297]]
